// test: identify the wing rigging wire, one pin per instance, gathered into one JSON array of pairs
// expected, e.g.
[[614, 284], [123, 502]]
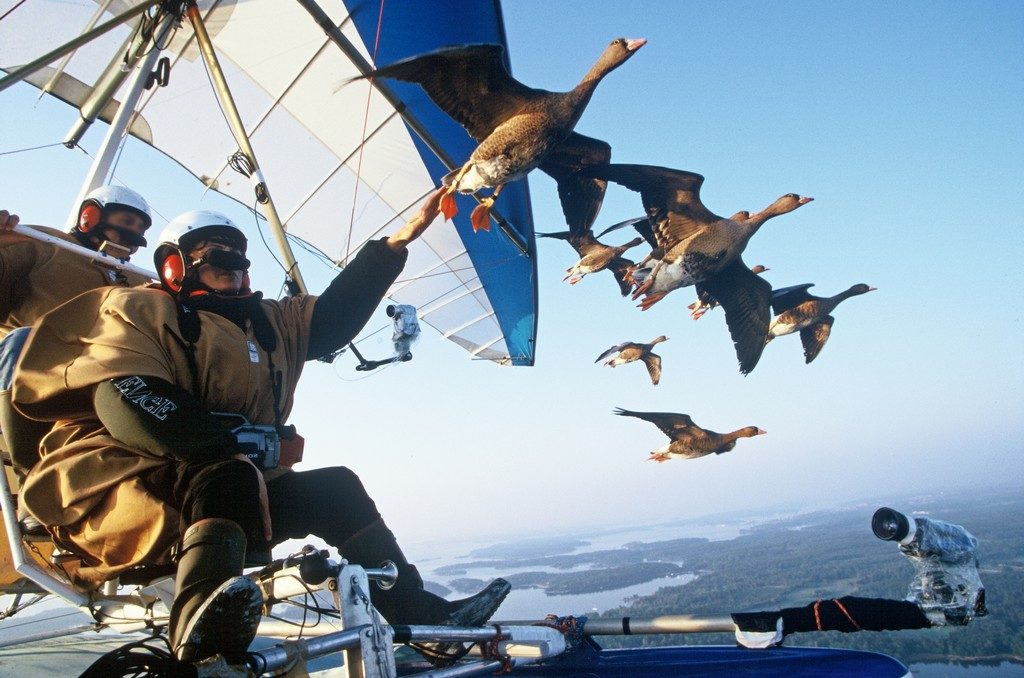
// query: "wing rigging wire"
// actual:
[[362, 145], [16, 6]]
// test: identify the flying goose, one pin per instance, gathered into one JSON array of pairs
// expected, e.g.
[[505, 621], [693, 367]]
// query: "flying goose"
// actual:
[[798, 311], [594, 256], [518, 128], [696, 246], [688, 441], [629, 351]]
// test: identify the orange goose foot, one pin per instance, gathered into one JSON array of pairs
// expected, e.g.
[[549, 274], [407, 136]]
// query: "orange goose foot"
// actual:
[[481, 217], [448, 208], [643, 287], [651, 300], [659, 458], [698, 313]]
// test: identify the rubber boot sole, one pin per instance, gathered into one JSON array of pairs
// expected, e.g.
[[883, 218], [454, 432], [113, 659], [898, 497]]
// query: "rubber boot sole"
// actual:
[[473, 611], [224, 624]]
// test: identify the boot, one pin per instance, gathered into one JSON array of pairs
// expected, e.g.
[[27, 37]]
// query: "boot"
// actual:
[[21, 434], [407, 602], [215, 610]]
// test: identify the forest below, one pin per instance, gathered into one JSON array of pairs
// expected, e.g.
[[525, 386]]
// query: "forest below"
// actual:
[[793, 562]]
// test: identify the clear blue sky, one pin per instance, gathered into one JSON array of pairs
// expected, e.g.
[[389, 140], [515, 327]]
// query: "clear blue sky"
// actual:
[[902, 120]]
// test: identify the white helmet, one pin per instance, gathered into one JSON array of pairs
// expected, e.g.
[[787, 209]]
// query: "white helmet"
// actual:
[[101, 201], [183, 233]]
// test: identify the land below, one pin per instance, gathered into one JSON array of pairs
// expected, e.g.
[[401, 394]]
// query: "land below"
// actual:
[[787, 562]]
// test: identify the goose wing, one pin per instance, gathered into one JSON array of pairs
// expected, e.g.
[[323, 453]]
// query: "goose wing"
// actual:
[[671, 424], [613, 350], [653, 363], [574, 239], [786, 298], [815, 336], [745, 298], [671, 198], [581, 196], [642, 226], [469, 82], [619, 267]]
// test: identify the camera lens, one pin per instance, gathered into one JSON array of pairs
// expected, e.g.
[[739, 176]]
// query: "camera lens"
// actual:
[[889, 524]]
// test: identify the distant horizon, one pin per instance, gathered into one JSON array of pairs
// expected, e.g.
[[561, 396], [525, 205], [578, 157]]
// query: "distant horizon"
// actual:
[[777, 512]]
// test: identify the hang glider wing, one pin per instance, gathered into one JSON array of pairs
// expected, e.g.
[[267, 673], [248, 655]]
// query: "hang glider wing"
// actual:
[[342, 164]]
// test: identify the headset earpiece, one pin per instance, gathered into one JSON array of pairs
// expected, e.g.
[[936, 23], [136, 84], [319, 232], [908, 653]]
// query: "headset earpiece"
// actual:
[[173, 272], [89, 216]]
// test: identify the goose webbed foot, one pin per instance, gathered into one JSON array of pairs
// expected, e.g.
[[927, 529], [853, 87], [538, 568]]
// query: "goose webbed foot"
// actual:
[[481, 217], [650, 300], [448, 208], [642, 287]]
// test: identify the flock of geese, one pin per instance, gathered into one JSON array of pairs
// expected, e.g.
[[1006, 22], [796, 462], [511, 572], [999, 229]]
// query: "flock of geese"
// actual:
[[520, 129]]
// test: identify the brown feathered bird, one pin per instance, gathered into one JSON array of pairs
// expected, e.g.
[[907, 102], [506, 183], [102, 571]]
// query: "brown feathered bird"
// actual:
[[799, 311], [689, 441], [629, 351], [594, 256], [695, 246], [518, 128]]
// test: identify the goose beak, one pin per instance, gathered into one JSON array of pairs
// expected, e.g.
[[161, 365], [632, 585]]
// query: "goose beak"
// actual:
[[634, 44], [761, 431], [872, 289], [805, 199]]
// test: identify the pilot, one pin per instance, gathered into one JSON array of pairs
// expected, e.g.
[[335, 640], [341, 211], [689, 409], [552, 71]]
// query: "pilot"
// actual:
[[36, 277], [140, 371]]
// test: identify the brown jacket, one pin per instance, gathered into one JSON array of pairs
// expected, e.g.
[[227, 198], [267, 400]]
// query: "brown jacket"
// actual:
[[36, 277], [86, 488]]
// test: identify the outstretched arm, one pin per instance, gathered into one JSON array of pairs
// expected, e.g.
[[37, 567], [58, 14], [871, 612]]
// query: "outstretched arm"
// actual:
[[414, 227], [345, 307]]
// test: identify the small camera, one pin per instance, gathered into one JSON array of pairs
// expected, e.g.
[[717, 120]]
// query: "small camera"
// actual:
[[260, 442]]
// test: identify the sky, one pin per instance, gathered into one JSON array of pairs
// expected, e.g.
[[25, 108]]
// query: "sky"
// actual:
[[902, 120]]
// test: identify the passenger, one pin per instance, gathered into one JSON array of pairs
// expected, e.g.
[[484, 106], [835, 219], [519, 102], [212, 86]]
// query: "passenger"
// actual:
[[144, 465], [36, 277]]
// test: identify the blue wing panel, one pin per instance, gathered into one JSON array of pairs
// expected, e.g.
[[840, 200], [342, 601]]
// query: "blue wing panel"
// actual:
[[509, 275]]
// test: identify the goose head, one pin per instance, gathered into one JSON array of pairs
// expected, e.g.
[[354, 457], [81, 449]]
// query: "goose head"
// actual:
[[783, 205], [787, 203], [614, 55], [860, 288]]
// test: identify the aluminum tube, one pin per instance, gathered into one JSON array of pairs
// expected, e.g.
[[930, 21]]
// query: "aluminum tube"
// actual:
[[23, 565], [280, 656], [20, 73], [223, 92], [47, 635], [680, 623], [103, 91], [98, 257], [104, 159]]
